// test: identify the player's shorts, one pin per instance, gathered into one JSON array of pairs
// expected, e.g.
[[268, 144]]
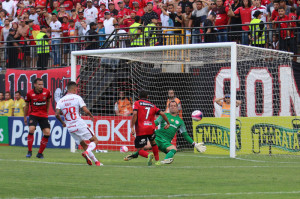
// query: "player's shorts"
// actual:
[[162, 144], [81, 133], [141, 141], [42, 121]]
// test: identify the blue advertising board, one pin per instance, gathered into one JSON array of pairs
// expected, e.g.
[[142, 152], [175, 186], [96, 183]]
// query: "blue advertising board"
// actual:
[[18, 132]]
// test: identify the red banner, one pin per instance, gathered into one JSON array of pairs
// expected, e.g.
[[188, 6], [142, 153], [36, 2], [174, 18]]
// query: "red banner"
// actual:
[[54, 79], [113, 132]]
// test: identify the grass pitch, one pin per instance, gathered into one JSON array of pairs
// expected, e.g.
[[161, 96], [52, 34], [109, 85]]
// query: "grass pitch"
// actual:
[[65, 175]]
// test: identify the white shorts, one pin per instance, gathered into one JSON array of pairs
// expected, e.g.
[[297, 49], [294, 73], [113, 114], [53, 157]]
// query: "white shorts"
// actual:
[[81, 133]]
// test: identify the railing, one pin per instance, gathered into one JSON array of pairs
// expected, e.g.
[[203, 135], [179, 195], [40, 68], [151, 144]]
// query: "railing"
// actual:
[[26, 56]]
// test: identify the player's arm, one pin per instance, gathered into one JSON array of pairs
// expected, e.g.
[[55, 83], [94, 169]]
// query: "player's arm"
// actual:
[[163, 115], [219, 101], [133, 121], [158, 121], [86, 110], [57, 115], [26, 108], [12, 111], [199, 146]]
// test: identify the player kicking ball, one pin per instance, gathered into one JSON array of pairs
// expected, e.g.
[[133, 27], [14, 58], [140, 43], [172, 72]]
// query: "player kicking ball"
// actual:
[[164, 136], [70, 106], [143, 119]]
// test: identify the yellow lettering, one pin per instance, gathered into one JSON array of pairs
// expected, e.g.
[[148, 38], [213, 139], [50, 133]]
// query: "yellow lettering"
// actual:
[[220, 140], [295, 142], [214, 137], [278, 137], [207, 133], [284, 139], [226, 141], [290, 139]]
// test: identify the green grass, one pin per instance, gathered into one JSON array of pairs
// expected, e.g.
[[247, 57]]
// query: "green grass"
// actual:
[[66, 175]]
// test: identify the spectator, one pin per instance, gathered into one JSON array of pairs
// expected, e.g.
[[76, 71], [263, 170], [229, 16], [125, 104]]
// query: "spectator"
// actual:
[[101, 32], [135, 31], [172, 97], [275, 43], [90, 13], [126, 4], [183, 4], [8, 5], [112, 9], [2, 10], [13, 49], [197, 17], [40, 4], [293, 40], [123, 12], [34, 16], [270, 8], [21, 35], [284, 35], [68, 4], [221, 20], [175, 17], [83, 30], [78, 26], [156, 8], [109, 23], [31, 35], [74, 16], [141, 3], [224, 102], [257, 6], [44, 17], [55, 26], [62, 13], [121, 36], [19, 105], [92, 37], [123, 107], [2, 101], [245, 12], [136, 7], [210, 32], [102, 11], [235, 21], [129, 21], [9, 105], [72, 33], [4, 35], [151, 32], [65, 26], [78, 7], [2, 18], [275, 11], [257, 31], [55, 8], [282, 3], [149, 15], [186, 17], [43, 49], [21, 9]]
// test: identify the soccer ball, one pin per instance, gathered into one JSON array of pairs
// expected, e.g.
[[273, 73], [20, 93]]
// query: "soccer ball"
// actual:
[[197, 115], [124, 149]]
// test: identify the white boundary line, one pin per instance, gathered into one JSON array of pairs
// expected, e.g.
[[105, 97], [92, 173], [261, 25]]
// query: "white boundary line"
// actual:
[[172, 196], [162, 166]]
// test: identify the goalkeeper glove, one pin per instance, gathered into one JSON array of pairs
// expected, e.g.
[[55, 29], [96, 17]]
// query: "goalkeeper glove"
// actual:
[[200, 147]]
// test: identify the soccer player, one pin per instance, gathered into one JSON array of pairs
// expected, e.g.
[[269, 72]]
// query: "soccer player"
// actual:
[[19, 105], [224, 102], [9, 105], [143, 120], [164, 136], [39, 100], [70, 105]]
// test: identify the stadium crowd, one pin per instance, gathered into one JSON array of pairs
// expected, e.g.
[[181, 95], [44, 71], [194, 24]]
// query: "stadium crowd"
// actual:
[[62, 26]]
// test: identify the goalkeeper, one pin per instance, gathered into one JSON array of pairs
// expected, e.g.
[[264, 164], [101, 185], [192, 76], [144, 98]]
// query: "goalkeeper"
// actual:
[[164, 136]]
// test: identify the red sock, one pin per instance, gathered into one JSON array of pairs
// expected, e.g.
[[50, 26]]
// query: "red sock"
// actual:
[[44, 142], [30, 139], [143, 153], [155, 152]]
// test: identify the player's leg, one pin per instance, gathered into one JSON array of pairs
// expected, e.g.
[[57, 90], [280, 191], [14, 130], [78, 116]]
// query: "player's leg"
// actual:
[[30, 138], [45, 126], [85, 154], [136, 154], [154, 146], [171, 150]]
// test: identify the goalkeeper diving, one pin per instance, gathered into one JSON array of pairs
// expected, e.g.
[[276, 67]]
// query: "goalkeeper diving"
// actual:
[[164, 136]]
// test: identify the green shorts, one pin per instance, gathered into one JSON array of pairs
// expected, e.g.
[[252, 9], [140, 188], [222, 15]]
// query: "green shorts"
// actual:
[[162, 144]]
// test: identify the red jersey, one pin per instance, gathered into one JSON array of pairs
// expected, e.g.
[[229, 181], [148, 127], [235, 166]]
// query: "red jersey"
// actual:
[[38, 102], [142, 3], [127, 23], [124, 12], [283, 33], [222, 17], [40, 3], [265, 2], [68, 4], [140, 12], [146, 112], [274, 15], [65, 31], [101, 14], [292, 17], [245, 14]]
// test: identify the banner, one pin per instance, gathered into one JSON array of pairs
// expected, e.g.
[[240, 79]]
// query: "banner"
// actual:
[[54, 79], [254, 135], [18, 132], [4, 130]]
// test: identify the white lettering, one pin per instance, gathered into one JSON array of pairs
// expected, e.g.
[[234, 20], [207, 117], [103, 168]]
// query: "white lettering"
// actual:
[[56, 134], [17, 130], [107, 124], [1, 135], [115, 130]]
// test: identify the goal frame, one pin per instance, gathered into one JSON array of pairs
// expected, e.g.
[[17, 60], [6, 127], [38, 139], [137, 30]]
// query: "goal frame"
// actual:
[[233, 61]]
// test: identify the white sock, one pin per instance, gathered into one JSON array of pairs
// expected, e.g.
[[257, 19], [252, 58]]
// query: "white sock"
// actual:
[[92, 156], [91, 147]]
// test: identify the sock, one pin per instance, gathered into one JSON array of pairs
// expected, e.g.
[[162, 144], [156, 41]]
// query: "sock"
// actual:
[[44, 142], [170, 154], [155, 152], [30, 139], [143, 153], [91, 147], [92, 156], [136, 154]]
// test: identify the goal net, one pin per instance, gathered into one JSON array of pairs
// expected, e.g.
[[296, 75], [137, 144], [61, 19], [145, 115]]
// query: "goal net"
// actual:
[[265, 123]]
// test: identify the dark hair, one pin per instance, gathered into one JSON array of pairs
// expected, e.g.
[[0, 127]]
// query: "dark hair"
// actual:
[[2, 93], [293, 9], [249, 3], [71, 84], [36, 80], [143, 94], [137, 19], [276, 1], [281, 8], [173, 101], [18, 92], [171, 5], [7, 92]]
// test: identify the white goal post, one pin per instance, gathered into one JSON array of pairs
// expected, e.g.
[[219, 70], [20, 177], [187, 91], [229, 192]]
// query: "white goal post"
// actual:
[[182, 55]]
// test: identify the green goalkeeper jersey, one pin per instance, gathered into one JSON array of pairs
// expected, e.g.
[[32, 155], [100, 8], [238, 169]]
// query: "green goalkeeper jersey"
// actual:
[[176, 124]]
